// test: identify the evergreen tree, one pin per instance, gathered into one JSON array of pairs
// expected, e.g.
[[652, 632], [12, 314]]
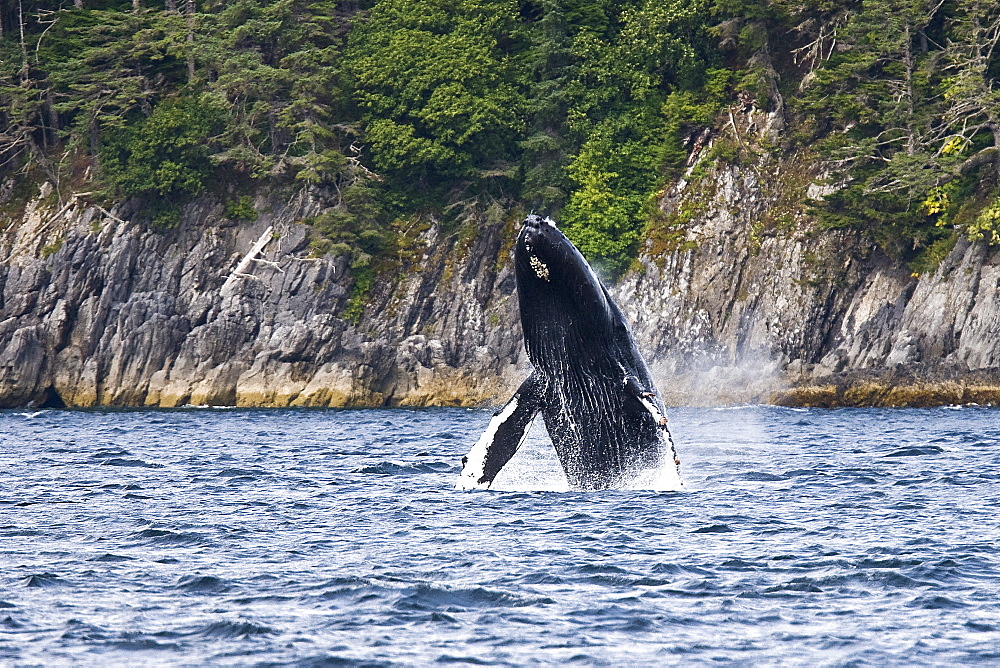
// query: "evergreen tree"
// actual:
[[276, 65], [437, 90], [575, 107], [630, 143], [914, 115], [551, 66], [881, 93]]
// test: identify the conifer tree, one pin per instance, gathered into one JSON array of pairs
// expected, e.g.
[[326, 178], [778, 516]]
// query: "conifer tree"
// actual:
[[435, 88]]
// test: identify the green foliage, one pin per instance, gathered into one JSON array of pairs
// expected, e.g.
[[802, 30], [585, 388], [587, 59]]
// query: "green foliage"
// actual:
[[616, 172], [724, 150], [166, 153], [163, 214], [52, 248], [688, 111], [582, 109], [435, 88], [641, 93], [78, 74], [364, 279], [931, 257], [906, 104], [276, 64], [986, 226], [241, 208], [356, 229]]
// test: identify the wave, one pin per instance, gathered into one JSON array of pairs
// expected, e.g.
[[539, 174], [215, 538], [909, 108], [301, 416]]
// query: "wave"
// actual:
[[232, 630], [108, 557], [116, 461], [203, 584], [42, 580], [917, 451], [392, 468], [171, 538], [431, 597]]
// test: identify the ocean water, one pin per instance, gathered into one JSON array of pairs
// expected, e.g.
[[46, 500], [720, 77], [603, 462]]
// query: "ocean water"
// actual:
[[328, 538]]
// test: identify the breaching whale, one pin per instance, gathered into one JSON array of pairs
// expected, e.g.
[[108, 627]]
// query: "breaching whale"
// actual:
[[596, 395]]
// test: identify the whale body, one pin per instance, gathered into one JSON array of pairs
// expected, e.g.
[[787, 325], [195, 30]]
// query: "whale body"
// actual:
[[596, 395]]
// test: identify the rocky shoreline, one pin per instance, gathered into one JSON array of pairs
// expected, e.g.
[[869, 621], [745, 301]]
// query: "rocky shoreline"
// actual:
[[903, 386], [736, 298], [96, 310]]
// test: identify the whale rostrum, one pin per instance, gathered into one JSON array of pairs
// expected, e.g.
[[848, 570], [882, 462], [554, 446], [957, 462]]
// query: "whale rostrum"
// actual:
[[596, 395]]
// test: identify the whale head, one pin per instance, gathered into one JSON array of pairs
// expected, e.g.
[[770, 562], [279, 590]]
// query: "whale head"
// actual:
[[562, 301], [539, 245]]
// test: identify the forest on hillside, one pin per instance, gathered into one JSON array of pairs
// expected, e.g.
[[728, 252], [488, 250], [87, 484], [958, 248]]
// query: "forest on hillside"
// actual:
[[582, 109]]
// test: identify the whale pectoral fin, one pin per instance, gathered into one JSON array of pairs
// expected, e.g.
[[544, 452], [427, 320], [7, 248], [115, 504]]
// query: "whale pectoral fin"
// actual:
[[502, 438], [646, 398]]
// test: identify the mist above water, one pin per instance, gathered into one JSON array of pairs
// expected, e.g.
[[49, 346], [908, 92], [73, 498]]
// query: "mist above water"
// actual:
[[708, 381]]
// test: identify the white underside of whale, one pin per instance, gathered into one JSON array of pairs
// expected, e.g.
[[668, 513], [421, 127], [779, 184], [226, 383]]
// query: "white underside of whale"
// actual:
[[475, 465], [664, 477]]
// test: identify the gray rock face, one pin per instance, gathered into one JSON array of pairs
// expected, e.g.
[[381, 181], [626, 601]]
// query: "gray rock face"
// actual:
[[95, 310], [740, 299], [741, 311]]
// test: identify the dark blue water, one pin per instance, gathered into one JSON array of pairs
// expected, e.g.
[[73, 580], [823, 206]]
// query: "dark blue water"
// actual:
[[862, 537]]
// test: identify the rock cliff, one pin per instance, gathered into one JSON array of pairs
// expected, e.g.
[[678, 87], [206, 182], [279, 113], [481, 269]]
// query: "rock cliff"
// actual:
[[737, 296], [97, 310]]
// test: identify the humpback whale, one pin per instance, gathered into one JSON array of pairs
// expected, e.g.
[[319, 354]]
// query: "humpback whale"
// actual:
[[595, 393]]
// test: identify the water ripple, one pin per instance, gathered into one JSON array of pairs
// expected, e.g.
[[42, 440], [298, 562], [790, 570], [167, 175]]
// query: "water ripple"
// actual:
[[324, 538]]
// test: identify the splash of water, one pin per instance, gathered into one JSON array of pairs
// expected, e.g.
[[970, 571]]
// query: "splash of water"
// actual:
[[536, 468], [710, 381]]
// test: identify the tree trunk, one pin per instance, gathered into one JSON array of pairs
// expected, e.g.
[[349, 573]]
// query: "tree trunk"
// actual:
[[985, 156], [995, 129], [53, 116], [24, 46], [78, 4], [189, 10], [908, 61]]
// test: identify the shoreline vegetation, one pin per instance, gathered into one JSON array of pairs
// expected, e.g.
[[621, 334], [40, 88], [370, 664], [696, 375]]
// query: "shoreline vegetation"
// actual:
[[885, 395], [584, 109], [379, 152], [827, 396]]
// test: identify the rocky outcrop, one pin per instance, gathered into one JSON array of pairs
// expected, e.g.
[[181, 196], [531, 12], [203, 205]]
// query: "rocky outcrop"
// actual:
[[97, 310], [737, 297], [751, 302]]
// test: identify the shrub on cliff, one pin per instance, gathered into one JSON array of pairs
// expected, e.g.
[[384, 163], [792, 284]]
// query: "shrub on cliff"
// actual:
[[437, 92], [166, 153]]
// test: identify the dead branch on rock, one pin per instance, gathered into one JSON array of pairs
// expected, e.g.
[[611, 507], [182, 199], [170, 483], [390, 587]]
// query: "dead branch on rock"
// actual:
[[240, 270]]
